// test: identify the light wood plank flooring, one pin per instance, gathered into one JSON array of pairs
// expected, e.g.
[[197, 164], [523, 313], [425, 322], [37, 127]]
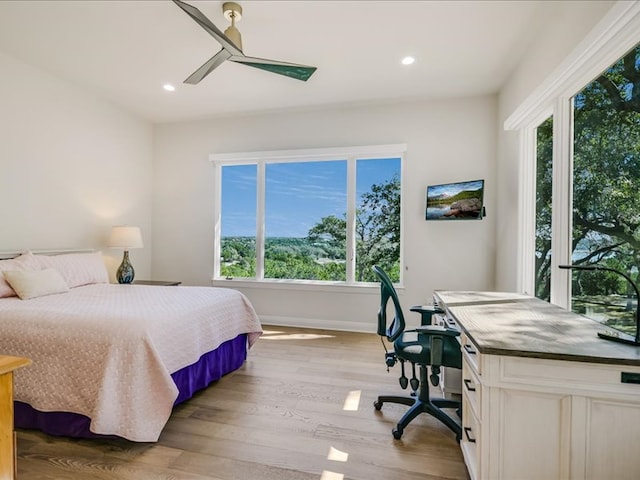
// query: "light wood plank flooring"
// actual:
[[285, 415]]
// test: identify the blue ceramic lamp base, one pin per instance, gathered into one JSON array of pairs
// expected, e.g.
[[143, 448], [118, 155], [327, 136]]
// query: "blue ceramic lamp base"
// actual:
[[125, 271]]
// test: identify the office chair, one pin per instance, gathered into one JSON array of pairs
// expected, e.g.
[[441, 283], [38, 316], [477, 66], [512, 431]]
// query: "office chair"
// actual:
[[424, 346]]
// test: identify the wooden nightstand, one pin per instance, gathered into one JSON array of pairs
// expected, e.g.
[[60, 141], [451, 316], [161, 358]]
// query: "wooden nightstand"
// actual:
[[7, 437], [161, 283]]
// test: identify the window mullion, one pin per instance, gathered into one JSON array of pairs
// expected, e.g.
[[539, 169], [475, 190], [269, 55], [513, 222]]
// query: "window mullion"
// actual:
[[561, 222], [527, 207], [260, 220], [217, 218], [351, 220]]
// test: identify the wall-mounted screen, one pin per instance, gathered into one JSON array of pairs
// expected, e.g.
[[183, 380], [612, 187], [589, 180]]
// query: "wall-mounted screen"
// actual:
[[456, 201]]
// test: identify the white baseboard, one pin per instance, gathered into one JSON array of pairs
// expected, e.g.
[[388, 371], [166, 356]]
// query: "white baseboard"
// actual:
[[317, 323]]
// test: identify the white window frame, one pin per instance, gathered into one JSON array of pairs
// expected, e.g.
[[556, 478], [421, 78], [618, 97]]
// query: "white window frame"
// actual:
[[613, 36], [261, 159]]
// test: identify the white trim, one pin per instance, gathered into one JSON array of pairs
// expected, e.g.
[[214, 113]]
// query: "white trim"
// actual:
[[350, 155], [217, 215], [333, 153], [351, 219], [609, 40], [561, 201], [260, 213], [318, 323], [527, 212], [365, 288], [612, 37]]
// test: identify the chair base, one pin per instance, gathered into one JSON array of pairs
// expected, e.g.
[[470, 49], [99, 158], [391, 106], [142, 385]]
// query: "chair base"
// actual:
[[432, 406]]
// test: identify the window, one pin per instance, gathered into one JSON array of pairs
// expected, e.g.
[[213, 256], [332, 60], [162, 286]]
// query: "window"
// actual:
[[324, 215], [606, 193], [544, 157], [587, 113]]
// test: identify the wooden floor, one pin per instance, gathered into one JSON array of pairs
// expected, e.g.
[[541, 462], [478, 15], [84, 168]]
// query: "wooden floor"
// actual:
[[301, 408]]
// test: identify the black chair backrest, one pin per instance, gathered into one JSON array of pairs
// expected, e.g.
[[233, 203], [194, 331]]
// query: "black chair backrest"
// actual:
[[395, 328]]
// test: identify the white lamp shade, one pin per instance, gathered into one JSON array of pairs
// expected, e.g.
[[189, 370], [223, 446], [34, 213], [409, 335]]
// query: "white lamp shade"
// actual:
[[124, 236]]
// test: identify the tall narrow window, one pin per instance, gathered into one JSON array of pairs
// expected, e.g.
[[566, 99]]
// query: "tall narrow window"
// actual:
[[544, 175], [303, 240], [238, 226], [326, 216], [606, 193], [378, 218]]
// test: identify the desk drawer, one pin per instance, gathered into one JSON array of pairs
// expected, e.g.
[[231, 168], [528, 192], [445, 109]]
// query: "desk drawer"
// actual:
[[469, 444], [471, 387], [471, 354]]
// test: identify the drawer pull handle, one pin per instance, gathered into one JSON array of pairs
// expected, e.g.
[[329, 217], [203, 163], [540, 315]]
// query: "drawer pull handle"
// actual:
[[467, 383], [469, 350], [470, 439]]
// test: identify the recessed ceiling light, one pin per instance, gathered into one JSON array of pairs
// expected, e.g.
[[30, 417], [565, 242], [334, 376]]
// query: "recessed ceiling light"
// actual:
[[168, 87], [408, 60]]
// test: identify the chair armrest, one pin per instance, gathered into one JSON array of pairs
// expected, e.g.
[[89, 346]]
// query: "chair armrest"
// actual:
[[436, 330], [426, 312], [426, 309]]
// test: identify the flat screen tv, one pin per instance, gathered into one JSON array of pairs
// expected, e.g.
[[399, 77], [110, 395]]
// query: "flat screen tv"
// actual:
[[456, 201]]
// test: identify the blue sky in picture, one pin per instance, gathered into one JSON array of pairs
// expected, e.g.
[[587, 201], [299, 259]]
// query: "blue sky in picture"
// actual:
[[298, 194], [451, 189]]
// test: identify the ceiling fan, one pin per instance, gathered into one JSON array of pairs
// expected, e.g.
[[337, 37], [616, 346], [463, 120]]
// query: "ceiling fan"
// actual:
[[232, 47]]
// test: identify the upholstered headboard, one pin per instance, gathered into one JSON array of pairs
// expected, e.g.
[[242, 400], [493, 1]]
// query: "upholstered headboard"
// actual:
[[7, 255]]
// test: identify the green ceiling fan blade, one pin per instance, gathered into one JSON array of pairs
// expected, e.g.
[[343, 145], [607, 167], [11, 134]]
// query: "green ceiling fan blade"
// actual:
[[232, 48], [292, 70]]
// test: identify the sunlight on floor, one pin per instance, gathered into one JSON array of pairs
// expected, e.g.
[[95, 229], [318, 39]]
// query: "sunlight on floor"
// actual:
[[352, 402], [327, 475], [337, 455], [280, 335]]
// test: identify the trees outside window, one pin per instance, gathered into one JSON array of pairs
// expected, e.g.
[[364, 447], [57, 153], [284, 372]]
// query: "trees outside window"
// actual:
[[544, 157], [320, 220], [605, 195], [606, 192]]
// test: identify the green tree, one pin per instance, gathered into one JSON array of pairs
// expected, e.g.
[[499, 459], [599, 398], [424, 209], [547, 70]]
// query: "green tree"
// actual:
[[377, 231], [606, 165]]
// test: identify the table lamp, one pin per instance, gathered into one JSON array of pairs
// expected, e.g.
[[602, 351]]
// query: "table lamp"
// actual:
[[126, 237], [614, 337]]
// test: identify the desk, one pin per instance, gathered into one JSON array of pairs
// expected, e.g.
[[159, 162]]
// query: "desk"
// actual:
[[7, 436], [543, 396]]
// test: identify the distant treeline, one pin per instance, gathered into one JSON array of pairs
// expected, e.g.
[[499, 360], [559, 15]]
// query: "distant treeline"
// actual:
[[464, 194]]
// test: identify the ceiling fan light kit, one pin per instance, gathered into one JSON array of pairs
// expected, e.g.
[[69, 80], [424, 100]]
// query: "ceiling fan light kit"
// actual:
[[231, 43], [233, 12]]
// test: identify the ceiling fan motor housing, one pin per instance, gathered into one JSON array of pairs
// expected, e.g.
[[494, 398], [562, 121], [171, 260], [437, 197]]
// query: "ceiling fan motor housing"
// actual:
[[233, 12]]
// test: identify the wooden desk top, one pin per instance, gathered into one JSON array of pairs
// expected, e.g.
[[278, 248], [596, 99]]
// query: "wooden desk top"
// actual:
[[522, 326], [8, 364]]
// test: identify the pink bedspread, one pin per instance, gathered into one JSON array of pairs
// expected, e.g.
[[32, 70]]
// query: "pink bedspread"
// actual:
[[107, 351]]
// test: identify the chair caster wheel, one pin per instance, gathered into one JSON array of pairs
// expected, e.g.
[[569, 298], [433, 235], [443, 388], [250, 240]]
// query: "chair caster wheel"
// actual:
[[377, 405], [397, 433]]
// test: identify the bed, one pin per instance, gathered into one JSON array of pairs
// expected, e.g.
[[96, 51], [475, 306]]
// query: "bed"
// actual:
[[109, 359]]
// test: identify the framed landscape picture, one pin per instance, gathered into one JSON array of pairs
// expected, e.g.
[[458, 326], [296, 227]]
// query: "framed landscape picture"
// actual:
[[456, 201]]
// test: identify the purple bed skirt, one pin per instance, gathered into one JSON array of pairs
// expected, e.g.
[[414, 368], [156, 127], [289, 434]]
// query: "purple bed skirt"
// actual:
[[211, 367]]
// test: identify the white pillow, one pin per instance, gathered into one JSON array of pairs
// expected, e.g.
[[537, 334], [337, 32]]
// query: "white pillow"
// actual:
[[77, 268], [23, 262], [35, 283]]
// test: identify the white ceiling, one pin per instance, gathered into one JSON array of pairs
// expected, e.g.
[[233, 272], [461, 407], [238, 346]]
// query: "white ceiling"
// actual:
[[125, 51]]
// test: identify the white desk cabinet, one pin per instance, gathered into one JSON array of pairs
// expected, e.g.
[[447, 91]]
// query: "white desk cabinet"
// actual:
[[543, 396]]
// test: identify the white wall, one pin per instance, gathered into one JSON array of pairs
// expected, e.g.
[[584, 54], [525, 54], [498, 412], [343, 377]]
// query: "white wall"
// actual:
[[70, 167], [448, 140], [567, 24]]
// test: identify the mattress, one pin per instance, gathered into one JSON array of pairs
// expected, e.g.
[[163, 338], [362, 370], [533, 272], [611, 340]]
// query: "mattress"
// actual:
[[107, 352]]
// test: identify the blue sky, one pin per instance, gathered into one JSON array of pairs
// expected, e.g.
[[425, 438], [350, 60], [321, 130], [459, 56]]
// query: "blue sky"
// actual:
[[298, 194]]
